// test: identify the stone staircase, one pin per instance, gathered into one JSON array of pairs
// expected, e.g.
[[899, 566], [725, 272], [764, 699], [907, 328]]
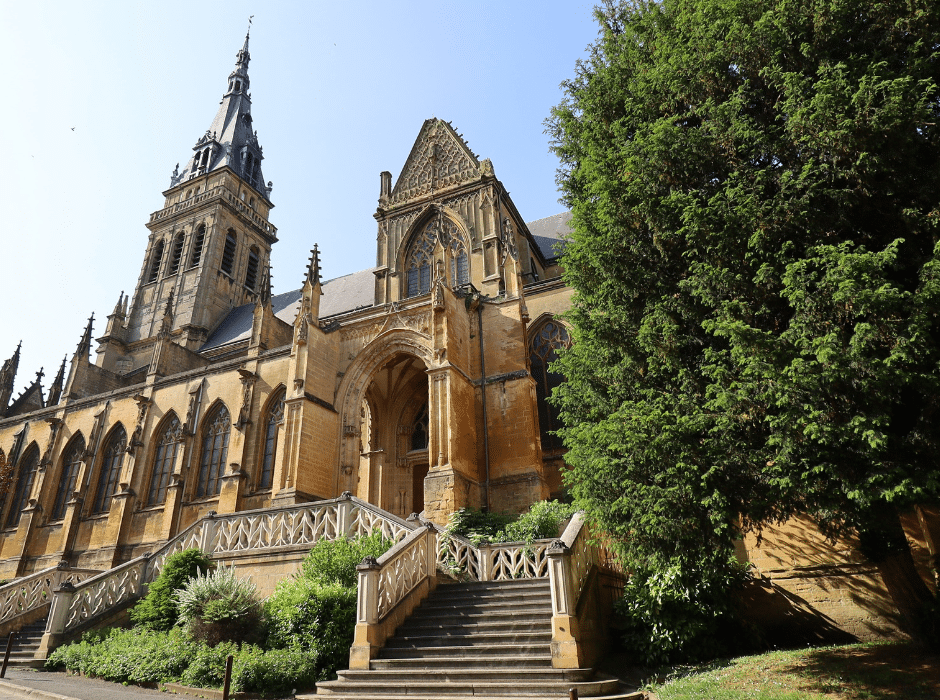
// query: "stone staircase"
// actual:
[[25, 645], [480, 640]]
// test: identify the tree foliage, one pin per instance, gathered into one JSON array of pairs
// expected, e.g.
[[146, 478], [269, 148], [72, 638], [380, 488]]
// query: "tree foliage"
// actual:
[[755, 190]]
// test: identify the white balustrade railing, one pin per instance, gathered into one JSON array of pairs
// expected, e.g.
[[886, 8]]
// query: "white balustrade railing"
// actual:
[[493, 562], [403, 568], [102, 593], [33, 591], [256, 531]]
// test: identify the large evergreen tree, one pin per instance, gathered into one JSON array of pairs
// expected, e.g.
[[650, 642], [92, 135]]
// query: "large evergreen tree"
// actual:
[[756, 196]]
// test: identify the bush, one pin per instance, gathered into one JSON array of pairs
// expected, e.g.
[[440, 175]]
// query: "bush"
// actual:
[[276, 672], [158, 609], [128, 656], [309, 615], [335, 561], [207, 667], [220, 606], [687, 611], [541, 521]]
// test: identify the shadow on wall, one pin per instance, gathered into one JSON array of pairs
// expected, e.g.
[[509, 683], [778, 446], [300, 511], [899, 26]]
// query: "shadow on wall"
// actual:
[[811, 591]]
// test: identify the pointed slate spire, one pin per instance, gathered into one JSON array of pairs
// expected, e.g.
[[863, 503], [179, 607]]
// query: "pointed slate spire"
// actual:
[[231, 139], [55, 391], [84, 345]]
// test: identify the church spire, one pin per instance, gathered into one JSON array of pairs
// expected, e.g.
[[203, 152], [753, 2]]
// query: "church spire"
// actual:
[[7, 377], [231, 139], [313, 267], [84, 345], [55, 391]]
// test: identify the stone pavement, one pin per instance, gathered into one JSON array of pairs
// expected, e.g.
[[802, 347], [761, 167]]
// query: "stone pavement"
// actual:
[[23, 684]]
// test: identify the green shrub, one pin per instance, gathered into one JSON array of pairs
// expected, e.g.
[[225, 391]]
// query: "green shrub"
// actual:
[[207, 667], [542, 521], [219, 606], [128, 656], [276, 672], [307, 614], [158, 610], [335, 561], [688, 611]]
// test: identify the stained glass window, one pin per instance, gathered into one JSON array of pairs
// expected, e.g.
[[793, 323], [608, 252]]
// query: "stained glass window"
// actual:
[[214, 452], [110, 470], [544, 343]]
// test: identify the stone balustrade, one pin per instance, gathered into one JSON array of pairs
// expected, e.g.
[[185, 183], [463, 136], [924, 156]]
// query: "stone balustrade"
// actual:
[[261, 531]]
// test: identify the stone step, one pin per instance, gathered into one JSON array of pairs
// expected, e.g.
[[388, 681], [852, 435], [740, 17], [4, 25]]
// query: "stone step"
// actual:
[[634, 695], [469, 626], [504, 584], [458, 662], [514, 595], [522, 674], [446, 618], [535, 607], [470, 639], [431, 685], [456, 651]]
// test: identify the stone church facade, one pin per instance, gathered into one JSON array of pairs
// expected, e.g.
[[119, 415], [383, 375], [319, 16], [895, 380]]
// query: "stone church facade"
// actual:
[[410, 384], [418, 385]]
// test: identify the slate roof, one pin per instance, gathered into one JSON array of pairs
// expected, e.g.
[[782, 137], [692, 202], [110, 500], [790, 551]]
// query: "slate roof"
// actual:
[[550, 234], [341, 294], [357, 290]]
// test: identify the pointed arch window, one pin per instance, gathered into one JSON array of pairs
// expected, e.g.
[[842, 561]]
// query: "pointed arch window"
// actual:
[[420, 258], [26, 475], [71, 464], [164, 461], [198, 240], [215, 436], [251, 272], [274, 419], [110, 470], [544, 344], [155, 259], [177, 255], [228, 253], [419, 433], [459, 266]]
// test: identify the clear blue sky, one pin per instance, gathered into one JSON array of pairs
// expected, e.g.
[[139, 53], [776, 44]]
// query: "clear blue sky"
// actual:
[[102, 99]]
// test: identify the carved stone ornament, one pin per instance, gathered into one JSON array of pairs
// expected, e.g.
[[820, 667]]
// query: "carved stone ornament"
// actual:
[[244, 414], [508, 239]]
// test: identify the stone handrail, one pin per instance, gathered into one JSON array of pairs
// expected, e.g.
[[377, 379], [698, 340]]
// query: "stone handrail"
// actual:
[[33, 591], [252, 531], [390, 588], [101, 593], [493, 562], [572, 558]]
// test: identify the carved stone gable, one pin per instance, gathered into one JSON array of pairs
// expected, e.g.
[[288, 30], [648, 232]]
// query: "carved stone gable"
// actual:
[[439, 159]]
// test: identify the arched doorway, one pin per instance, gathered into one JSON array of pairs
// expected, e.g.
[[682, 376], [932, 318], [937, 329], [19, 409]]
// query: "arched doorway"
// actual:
[[392, 435]]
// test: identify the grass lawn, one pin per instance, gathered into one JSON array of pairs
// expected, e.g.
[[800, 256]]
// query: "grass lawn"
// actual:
[[873, 671]]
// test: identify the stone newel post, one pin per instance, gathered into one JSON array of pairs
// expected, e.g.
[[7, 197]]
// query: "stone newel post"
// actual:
[[565, 630], [367, 613], [58, 617]]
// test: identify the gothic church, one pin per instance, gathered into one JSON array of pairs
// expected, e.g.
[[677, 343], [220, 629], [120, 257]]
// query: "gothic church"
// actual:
[[418, 385]]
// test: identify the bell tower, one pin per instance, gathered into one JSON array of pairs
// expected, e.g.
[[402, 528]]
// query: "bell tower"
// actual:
[[209, 244]]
